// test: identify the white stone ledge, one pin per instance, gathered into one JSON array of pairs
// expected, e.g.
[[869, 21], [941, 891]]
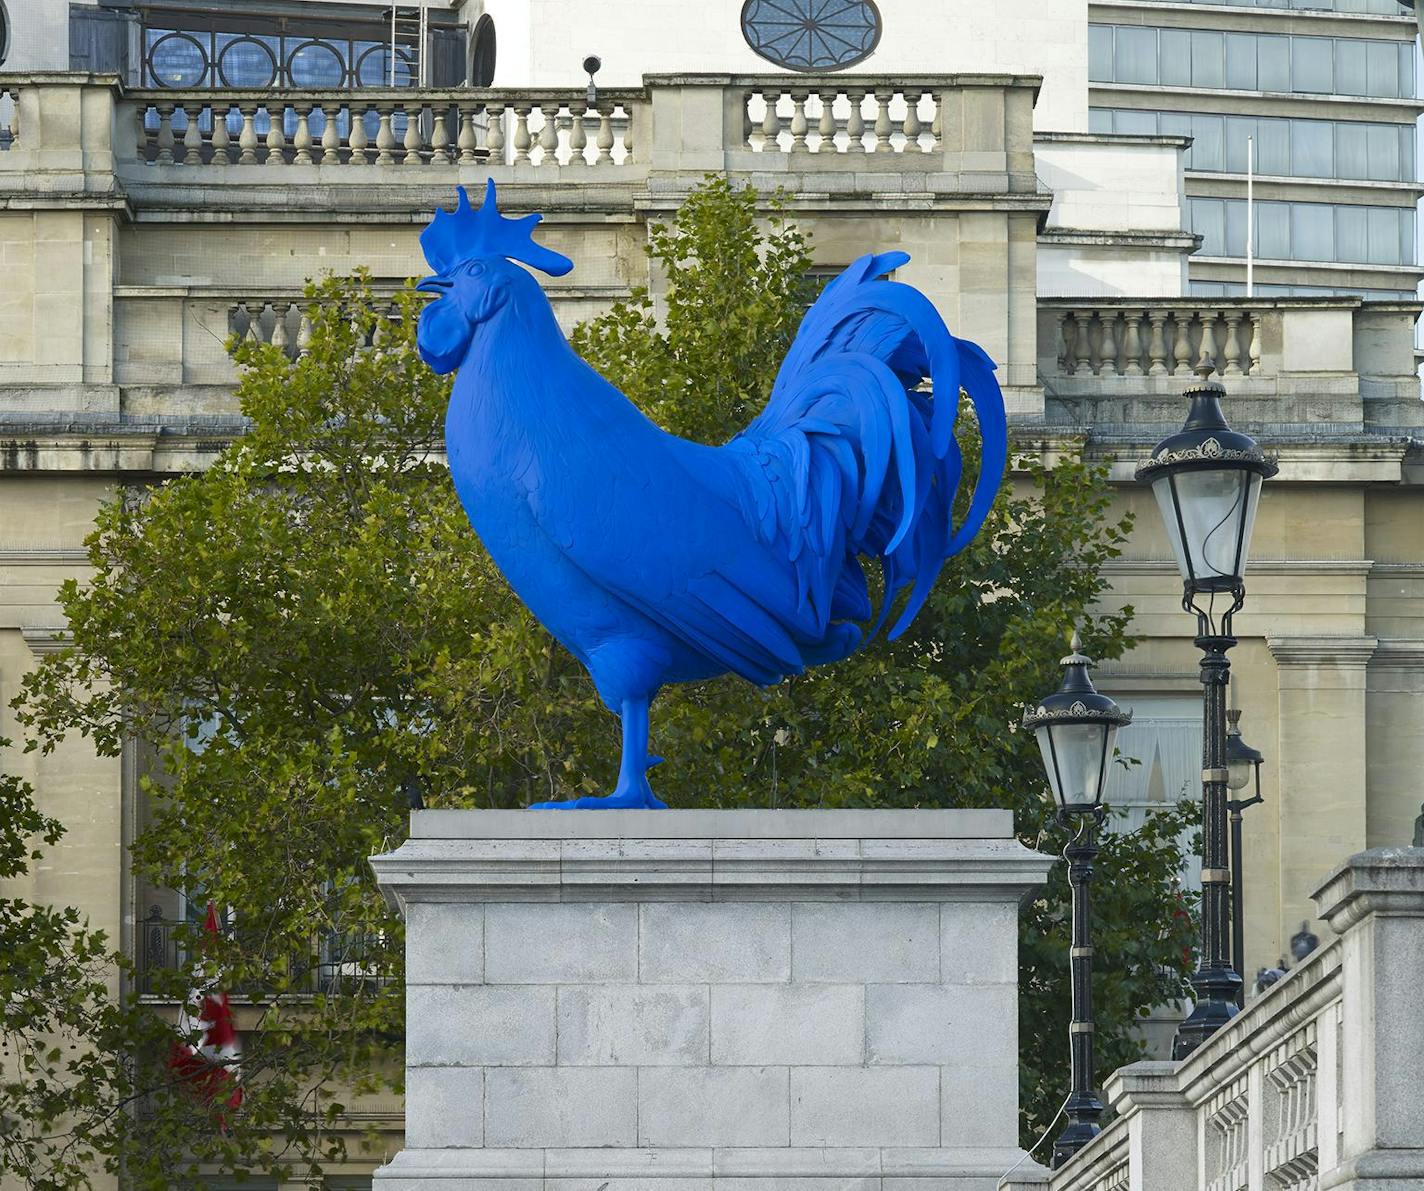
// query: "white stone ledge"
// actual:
[[428, 870]]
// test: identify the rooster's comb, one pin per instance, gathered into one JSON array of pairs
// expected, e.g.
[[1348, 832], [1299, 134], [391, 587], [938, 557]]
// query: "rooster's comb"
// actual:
[[470, 234]]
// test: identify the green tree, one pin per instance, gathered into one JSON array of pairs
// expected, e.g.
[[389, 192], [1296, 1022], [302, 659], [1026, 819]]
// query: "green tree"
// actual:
[[309, 628]]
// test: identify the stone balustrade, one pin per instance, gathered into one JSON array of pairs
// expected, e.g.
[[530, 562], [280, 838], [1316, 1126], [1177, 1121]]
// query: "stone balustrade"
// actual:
[[425, 128], [872, 114], [1314, 1084], [1112, 337]]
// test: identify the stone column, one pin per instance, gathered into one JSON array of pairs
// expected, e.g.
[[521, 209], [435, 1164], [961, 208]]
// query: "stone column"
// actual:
[[807, 999], [1321, 761], [1375, 901]]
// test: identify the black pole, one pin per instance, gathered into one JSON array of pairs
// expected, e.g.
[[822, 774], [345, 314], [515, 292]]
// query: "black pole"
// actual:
[[1083, 1108], [1238, 939], [1216, 982]]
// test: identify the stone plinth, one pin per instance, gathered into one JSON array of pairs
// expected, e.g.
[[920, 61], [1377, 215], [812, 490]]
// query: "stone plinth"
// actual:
[[699, 1000]]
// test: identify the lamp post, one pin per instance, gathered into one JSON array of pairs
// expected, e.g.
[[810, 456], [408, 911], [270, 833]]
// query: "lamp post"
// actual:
[[1207, 481], [1075, 727], [1243, 764]]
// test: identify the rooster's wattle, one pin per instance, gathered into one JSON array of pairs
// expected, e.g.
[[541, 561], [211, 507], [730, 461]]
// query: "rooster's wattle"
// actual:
[[656, 560]]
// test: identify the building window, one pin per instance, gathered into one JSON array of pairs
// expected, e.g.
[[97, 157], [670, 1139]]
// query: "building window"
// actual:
[[1207, 58], [1287, 147], [1379, 8], [1324, 232], [811, 35], [245, 49]]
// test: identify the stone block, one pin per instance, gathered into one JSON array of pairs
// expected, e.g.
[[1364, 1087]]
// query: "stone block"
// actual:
[[535, 1107], [979, 942], [633, 1025], [911, 1024], [444, 1107], [979, 1105], [445, 943], [866, 942], [865, 1106], [712, 1106], [479, 1025], [568, 943], [715, 942], [798, 1025]]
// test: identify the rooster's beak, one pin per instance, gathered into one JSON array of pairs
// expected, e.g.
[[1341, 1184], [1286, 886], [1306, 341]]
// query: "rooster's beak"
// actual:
[[434, 285]]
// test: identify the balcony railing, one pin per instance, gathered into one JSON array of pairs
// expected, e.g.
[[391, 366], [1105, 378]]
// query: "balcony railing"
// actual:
[[390, 127], [332, 962], [1313, 1083]]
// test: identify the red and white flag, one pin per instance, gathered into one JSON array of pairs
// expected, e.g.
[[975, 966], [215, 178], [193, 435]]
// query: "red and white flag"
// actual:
[[210, 1068]]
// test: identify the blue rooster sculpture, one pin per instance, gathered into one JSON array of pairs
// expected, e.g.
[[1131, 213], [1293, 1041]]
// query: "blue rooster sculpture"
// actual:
[[656, 560]]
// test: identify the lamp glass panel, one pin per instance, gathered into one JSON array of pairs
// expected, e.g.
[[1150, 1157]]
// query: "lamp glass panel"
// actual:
[[1081, 758], [1212, 505], [1238, 773]]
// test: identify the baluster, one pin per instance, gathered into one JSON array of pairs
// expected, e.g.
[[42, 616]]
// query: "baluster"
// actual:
[[549, 133], [1254, 350], [192, 137], [1233, 343], [826, 125], [1157, 343], [578, 134], [1107, 352], [798, 122], [522, 139], [1065, 342], [440, 136], [237, 317], [413, 141], [279, 326], [911, 126], [330, 137], [276, 137], [771, 124], [882, 122], [247, 138], [1082, 349], [221, 138], [1181, 345], [356, 139], [936, 125], [627, 134], [255, 331], [304, 332], [385, 135], [747, 126], [1132, 343], [604, 143], [855, 122], [145, 138], [468, 140], [165, 134], [494, 134], [1206, 358], [302, 137]]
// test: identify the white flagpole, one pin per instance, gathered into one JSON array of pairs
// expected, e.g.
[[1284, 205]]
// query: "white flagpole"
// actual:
[[1250, 216]]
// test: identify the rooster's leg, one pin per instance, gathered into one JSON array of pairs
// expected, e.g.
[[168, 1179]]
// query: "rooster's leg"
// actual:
[[633, 791]]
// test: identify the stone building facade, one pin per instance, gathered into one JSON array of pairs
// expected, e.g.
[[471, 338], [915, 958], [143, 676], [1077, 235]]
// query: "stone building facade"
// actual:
[[140, 224]]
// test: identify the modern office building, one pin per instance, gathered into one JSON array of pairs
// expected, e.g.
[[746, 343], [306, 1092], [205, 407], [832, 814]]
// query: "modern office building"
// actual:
[[1323, 93]]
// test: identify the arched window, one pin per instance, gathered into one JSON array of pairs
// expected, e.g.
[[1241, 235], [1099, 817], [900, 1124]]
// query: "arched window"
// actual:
[[482, 53], [4, 33]]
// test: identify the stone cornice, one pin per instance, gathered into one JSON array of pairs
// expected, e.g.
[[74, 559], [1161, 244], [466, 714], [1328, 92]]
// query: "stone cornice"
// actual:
[[45, 640], [1400, 653], [1386, 881], [709, 856], [1350, 653]]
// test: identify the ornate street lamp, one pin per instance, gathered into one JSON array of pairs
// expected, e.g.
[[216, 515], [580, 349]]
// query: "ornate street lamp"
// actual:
[[1207, 480], [1076, 727], [1243, 766]]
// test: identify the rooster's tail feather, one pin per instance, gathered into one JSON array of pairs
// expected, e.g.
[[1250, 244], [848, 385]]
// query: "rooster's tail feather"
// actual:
[[854, 460]]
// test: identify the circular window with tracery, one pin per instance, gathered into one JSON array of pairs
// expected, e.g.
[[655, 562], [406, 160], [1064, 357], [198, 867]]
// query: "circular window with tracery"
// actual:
[[810, 35]]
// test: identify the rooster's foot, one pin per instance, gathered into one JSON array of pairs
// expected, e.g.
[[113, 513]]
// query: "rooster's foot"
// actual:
[[635, 799]]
